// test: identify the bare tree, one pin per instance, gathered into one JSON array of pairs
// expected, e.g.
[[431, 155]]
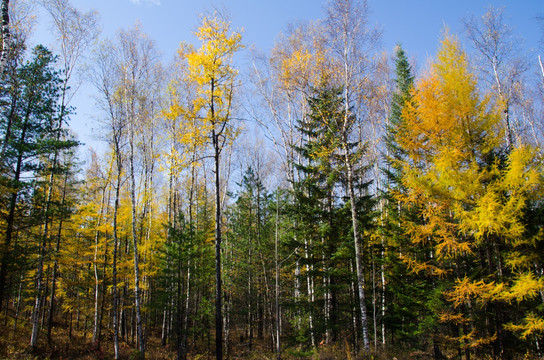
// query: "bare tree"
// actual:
[[105, 78], [500, 61], [138, 58], [75, 32]]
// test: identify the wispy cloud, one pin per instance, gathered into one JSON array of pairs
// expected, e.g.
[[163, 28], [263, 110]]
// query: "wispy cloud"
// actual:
[[146, 2]]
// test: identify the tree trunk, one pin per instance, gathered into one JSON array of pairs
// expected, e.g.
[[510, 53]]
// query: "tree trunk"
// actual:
[[358, 257], [6, 37], [277, 285], [115, 245], [185, 322], [310, 289], [250, 282], [218, 313], [39, 287], [96, 326], [39, 280], [51, 309], [135, 245]]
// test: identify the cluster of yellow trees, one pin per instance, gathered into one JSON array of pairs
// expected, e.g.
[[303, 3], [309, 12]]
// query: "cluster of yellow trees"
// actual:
[[471, 200]]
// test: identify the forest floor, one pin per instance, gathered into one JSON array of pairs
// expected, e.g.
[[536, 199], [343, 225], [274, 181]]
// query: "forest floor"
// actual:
[[14, 345]]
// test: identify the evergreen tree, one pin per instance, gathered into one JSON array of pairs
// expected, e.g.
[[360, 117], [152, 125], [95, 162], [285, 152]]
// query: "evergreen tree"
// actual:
[[249, 255], [322, 214], [405, 295], [29, 118]]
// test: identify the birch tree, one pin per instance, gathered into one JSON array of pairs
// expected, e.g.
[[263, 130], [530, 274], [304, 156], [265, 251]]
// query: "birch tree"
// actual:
[[500, 61], [4, 9], [351, 39], [138, 59], [75, 32], [105, 78]]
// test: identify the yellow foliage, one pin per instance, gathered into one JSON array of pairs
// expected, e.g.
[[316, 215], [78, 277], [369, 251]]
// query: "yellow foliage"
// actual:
[[465, 290], [482, 341], [301, 58], [454, 318], [210, 75], [532, 324], [526, 286], [428, 269], [516, 261]]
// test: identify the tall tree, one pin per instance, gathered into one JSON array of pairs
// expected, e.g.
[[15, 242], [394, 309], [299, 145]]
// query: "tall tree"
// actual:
[[464, 188], [75, 32], [32, 107], [105, 78], [298, 62], [34, 136], [402, 305], [350, 39], [138, 58], [211, 68]]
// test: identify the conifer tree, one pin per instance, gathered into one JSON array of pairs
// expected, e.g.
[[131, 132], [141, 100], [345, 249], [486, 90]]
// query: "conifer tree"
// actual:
[[405, 292], [321, 210], [29, 114]]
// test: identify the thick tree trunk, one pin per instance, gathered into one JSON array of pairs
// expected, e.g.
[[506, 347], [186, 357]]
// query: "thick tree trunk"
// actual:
[[358, 261], [218, 305]]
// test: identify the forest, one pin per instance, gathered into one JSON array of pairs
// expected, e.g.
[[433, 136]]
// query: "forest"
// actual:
[[329, 199]]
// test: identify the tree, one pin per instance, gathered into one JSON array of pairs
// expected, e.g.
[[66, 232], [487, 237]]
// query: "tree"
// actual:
[[248, 246], [404, 297], [283, 80], [460, 183], [137, 61], [448, 140], [5, 35], [31, 112], [324, 216], [211, 68], [105, 78], [500, 61], [32, 116], [350, 37], [75, 33]]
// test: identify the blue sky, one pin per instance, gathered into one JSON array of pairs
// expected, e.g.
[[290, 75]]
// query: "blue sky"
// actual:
[[417, 24]]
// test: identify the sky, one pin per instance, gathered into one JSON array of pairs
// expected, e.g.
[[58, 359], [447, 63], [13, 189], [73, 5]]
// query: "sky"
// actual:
[[416, 24]]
